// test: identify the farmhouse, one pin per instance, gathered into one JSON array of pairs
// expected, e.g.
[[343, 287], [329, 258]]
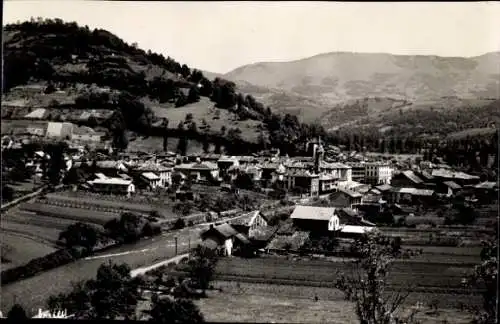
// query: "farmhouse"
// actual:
[[250, 223], [315, 219], [223, 238], [107, 185], [345, 222]]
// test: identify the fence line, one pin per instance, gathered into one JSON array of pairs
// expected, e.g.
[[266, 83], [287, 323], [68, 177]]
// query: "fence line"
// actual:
[[21, 199]]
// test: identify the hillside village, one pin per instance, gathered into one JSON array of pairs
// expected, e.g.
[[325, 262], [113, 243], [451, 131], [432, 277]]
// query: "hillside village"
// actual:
[[128, 186]]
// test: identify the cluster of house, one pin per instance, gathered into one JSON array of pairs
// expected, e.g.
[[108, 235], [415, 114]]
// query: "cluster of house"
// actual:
[[346, 183], [252, 231], [53, 130]]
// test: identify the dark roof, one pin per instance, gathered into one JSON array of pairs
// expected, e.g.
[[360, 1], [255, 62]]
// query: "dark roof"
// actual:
[[225, 230], [412, 176], [242, 238]]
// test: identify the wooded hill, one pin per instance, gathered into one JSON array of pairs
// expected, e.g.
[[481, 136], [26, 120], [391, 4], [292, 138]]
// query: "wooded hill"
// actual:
[[65, 56]]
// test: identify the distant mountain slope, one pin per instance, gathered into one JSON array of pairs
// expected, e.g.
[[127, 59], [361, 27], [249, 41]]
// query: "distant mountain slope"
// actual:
[[374, 90], [341, 76]]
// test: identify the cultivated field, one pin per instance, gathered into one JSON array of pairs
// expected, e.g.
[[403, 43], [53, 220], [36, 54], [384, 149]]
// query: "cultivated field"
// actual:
[[110, 205], [419, 277], [21, 249], [294, 304]]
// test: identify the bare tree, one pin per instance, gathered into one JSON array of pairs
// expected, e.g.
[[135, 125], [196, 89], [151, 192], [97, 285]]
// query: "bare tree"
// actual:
[[367, 286]]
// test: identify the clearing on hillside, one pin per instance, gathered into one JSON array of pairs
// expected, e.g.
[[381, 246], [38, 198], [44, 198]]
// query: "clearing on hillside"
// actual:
[[215, 117]]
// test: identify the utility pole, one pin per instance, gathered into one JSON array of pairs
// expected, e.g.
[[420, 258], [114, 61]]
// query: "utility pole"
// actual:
[[189, 244], [176, 245]]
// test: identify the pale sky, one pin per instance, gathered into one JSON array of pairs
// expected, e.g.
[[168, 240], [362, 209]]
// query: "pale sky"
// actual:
[[221, 36]]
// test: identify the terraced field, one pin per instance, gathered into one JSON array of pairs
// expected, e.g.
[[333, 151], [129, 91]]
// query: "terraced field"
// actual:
[[418, 277], [104, 204]]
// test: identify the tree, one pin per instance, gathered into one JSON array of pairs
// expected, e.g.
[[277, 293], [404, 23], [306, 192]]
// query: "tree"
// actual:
[[181, 100], [165, 134], [17, 313], [201, 266], [112, 294], [57, 163], [115, 293], [485, 277], [366, 286], [244, 181], [7, 193], [183, 141], [206, 146], [80, 234], [194, 94], [127, 229], [177, 311], [182, 145]]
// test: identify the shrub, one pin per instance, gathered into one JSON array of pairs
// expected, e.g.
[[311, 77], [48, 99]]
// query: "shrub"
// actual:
[[35, 266], [179, 224]]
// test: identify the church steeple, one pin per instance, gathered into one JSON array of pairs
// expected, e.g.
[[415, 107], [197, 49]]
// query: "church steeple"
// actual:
[[318, 155]]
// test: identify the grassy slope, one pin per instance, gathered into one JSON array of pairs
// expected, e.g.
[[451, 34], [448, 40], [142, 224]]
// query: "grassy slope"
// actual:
[[23, 249], [205, 110]]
